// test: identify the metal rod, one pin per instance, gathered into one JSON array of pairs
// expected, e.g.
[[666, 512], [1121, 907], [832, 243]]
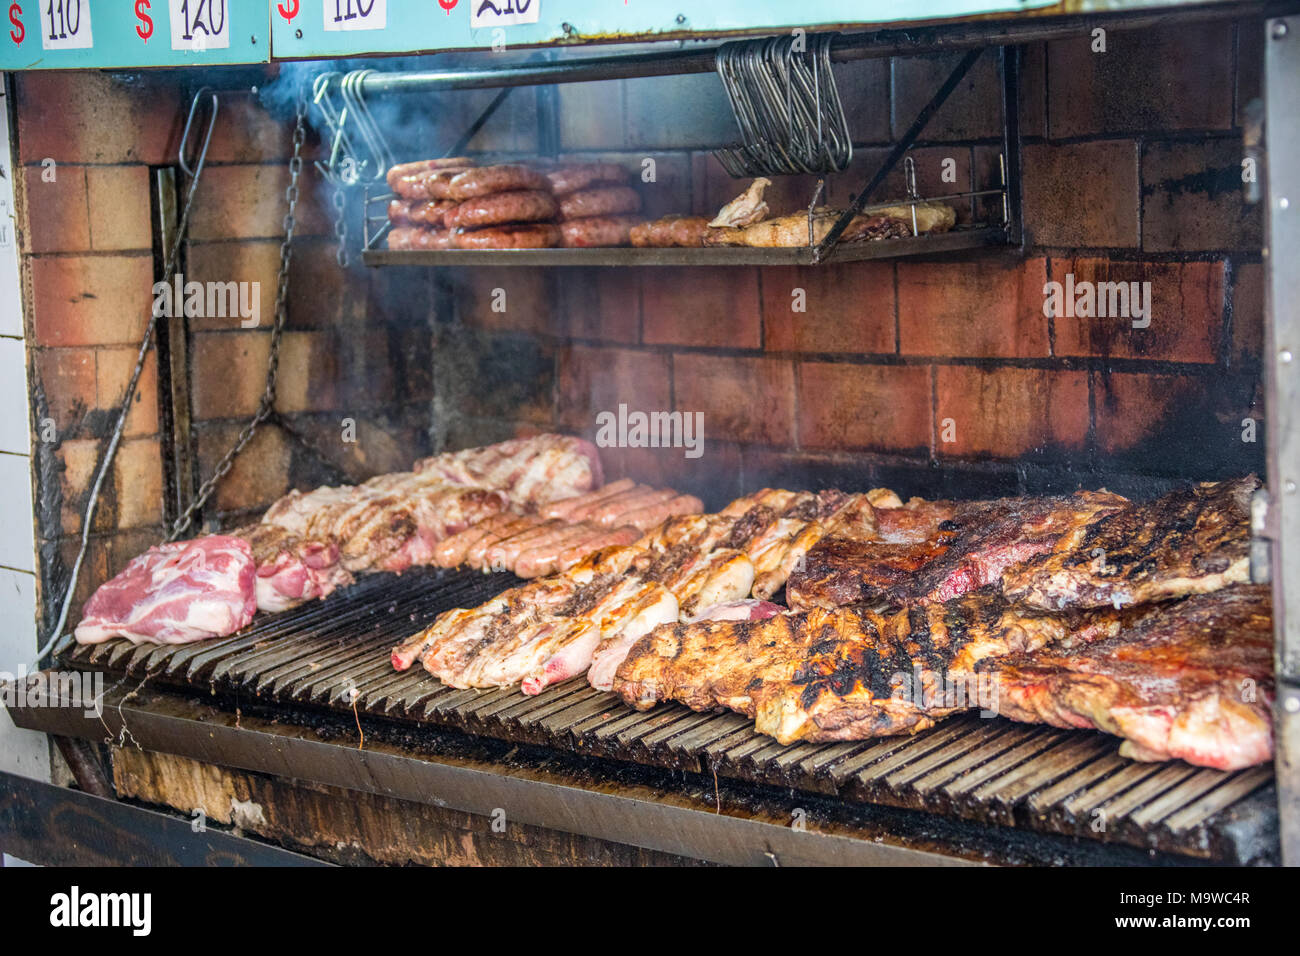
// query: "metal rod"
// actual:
[[881, 43], [902, 146], [1010, 57]]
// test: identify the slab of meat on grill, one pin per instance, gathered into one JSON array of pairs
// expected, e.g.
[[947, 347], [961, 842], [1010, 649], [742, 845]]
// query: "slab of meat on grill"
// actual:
[[291, 570], [1188, 542], [920, 556], [530, 471], [388, 523], [174, 594], [1192, 680], [847, 673]]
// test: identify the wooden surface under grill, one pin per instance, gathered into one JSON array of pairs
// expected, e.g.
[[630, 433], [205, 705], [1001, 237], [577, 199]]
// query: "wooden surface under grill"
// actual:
[[334, 655]]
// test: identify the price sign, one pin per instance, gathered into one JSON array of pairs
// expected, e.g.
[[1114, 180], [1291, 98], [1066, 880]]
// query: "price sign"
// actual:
[[355, 14], [199, 25], [65, 25], [503, 13]]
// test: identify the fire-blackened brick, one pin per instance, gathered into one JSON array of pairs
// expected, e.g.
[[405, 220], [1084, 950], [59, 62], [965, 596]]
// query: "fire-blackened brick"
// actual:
[[702, 307], [1193, 199], [1009, 412], [1185, 304], [595, 380], [878, 407], [743, 399], [978, 309], [1168, 78], [845, 308], [1082, 194]]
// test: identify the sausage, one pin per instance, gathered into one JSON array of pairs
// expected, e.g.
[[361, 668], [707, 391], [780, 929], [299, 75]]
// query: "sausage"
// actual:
[[504, 552], [528, 205], [613, 513], [565, 506], [535, 235], [540, 558], [585, 512], [601, 201], [474, 556], [429, 184], [596, 231], [399, 211], [484, 180], [569, 179], [451, 551], [652, 516], [688, 231], [604, 539], [417, 237], [685, 231], [405, 170]]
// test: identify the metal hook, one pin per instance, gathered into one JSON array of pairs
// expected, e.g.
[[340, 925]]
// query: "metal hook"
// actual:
[[207, 138]]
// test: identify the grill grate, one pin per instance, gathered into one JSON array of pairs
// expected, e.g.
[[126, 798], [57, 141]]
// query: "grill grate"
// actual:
[[334, 654]]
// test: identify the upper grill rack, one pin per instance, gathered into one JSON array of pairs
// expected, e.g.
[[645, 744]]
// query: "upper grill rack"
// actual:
[[333, 655]]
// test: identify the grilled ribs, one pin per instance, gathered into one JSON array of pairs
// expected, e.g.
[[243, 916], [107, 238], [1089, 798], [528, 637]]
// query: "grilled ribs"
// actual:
[[1188, 542], [845, 673], [933, 551], [1191, 680]]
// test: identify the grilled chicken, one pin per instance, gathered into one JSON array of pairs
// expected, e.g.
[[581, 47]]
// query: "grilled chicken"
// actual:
[[1188, 542], [1192, 680]]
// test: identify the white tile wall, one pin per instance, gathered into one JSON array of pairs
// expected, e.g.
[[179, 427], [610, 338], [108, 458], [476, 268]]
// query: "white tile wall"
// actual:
[[21, 751]]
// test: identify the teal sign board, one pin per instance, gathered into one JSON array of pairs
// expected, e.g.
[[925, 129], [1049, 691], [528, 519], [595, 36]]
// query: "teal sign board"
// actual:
[[332, 28], [81, 34]]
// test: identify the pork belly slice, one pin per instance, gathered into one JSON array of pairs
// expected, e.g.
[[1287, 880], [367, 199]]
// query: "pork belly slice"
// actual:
[[174, 594], [716, 577], [531, 471], [976, 546], [1188, 542], [746, 609], [1191, 680]]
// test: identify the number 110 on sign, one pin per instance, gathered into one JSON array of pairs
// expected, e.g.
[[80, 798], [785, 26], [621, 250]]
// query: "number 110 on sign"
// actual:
[[355, 14], [65, 25]]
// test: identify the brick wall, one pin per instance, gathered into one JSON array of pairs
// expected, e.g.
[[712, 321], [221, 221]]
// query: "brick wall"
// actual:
[[356, 349], [934, 377], [1131, 172]]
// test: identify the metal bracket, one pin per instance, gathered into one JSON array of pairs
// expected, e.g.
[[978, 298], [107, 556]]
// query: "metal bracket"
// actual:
[[896, 153]]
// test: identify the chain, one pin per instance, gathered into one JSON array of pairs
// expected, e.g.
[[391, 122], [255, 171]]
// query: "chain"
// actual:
[[267, 403], [339, 201]]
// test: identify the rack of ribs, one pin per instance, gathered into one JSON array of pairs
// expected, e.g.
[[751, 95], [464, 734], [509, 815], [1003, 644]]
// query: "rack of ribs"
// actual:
[[1191, 680], [844, 673], [934, 551], [1188, 542]]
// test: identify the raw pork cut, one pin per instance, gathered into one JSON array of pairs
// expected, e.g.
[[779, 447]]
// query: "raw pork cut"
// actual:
[[175, 593]]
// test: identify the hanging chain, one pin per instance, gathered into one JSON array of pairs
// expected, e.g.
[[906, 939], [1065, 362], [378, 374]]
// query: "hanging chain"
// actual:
[[339, 201], [267, 403]]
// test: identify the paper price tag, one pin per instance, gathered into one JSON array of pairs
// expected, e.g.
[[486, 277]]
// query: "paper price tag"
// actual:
[[65, 25], [355, 14], [503, 13], [199, 25]]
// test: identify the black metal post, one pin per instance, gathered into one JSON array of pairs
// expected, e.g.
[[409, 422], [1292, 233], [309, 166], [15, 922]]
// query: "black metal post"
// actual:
[[902, 146]]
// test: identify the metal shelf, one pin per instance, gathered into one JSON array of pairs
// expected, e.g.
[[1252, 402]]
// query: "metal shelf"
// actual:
[[713, 256]]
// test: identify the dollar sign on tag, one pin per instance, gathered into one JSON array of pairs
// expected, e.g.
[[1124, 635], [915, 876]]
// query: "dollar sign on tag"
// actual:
[[19, 31], [145, 30], [447, 5], [289, 10]]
